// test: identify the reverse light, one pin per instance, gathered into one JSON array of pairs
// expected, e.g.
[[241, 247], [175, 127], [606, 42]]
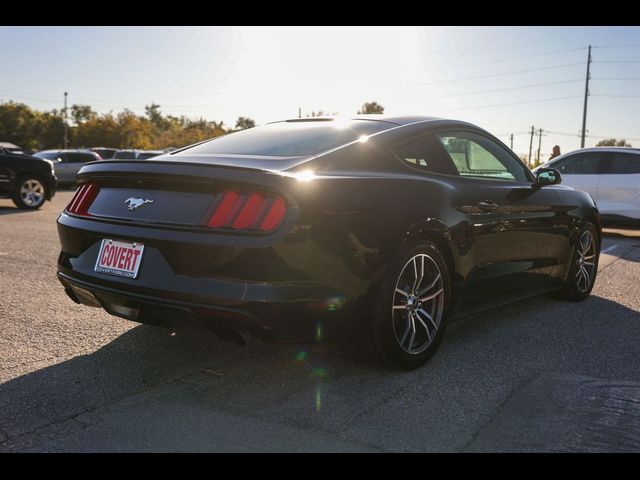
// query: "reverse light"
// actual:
[[247, 211], [83, 198]]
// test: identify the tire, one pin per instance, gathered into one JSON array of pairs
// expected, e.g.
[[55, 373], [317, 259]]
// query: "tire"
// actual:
[[408, 335], [30, 192], [577, 286]]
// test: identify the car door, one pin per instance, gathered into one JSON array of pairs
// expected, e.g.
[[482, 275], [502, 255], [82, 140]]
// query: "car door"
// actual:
[[64, 168], [619, 186], [517, 232], [583, 171], [75, 162]]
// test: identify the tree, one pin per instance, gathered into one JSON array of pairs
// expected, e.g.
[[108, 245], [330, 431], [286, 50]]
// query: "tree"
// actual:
[[244, 122], [612, 142], [371, 107], [39, 130], [82, 113]]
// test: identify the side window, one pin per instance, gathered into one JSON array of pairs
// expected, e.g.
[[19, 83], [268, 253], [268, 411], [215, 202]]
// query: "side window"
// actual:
[[426, 153], [477, 156], [581, 164], [624, 163], [79, 157], [73, 157]]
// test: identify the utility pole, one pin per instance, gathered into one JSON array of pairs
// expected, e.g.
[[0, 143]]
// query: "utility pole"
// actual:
[[586, 95], [64, 119], [299, 112], [530, 146], [539, 145], [511, 141]]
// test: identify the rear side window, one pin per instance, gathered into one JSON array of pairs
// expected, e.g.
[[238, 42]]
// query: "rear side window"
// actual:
[[624, 163], [581, 164], [477, 156], [426, 153], [145, 155]]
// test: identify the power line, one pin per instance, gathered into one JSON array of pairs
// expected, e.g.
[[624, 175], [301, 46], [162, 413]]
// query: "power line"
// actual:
[[509, 59], [616, 61], [628, 45], [539, 100], [515, 72], [588, 135], [504, 89], [613, 95], [617, 79]]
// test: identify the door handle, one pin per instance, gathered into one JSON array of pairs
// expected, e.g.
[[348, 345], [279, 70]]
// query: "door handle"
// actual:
[[487, 206]]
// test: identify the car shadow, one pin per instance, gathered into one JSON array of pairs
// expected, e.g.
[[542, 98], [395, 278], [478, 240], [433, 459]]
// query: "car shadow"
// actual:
[[597, 337], [621, 242], [12, 210]]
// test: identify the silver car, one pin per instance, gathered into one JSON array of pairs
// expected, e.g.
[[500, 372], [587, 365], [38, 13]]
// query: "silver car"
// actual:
[[68, 162]]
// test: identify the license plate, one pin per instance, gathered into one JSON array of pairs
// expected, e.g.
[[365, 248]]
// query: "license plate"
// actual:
[[119, 258]]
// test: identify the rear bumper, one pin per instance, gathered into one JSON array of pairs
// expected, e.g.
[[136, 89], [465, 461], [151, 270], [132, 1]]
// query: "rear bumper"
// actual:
[[301, 319], [168, 292]]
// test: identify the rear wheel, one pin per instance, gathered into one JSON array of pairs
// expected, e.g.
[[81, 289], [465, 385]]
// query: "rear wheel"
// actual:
[[30, 193], [584, 265], [410, 312]]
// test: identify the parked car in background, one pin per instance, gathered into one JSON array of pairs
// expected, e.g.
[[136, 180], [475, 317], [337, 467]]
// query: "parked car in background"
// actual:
[[68, 162], [12, 147], [611, 175], [131, 154], [26, 179], [104, 152]]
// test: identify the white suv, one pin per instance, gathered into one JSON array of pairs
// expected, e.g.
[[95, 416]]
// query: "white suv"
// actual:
[[611, 175]]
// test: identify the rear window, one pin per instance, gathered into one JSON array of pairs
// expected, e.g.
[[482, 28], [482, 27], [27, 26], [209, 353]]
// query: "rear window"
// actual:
[[290, 139], [125, 155]]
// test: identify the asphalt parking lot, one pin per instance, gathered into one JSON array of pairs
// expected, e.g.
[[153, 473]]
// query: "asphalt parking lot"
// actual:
[[537, 375]]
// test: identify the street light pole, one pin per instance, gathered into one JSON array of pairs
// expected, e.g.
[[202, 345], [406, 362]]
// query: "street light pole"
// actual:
[[64, 119]]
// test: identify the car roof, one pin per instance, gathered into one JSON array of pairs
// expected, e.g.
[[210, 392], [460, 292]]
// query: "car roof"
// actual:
[[68, 150], [395, 119]]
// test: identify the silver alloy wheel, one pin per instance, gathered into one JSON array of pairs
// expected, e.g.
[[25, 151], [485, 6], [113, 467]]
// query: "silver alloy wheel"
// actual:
[[32, 192], [585, 261], [418, 302]]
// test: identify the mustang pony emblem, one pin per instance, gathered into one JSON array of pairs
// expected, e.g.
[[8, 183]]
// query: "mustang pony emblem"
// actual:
[[135, 203]]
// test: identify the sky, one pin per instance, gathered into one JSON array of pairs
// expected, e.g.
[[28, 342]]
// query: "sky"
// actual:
[[503, 79]]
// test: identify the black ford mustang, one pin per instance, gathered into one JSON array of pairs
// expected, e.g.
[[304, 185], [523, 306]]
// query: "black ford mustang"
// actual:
[[379, 229]]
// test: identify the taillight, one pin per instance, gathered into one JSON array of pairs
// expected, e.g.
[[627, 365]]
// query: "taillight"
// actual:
[[83, 198], [247, 211]]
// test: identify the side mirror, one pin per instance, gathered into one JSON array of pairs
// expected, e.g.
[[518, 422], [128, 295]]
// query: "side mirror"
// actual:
[[547, 176], [58, 159]]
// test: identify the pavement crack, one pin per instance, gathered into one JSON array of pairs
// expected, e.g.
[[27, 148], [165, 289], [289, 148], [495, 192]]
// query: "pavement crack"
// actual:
[[497, 410]]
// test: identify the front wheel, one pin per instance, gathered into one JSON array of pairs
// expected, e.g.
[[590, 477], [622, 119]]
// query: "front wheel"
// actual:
[[30, 193], [584, 265], [409, 314]]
